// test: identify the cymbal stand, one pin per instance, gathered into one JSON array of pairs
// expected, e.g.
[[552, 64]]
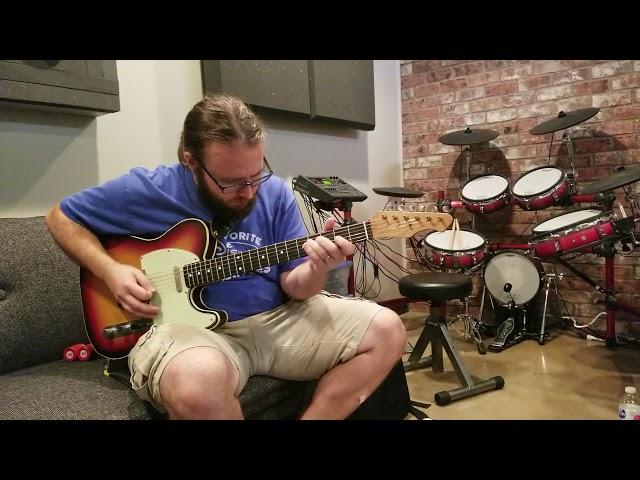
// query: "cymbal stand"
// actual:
[[467, 157]]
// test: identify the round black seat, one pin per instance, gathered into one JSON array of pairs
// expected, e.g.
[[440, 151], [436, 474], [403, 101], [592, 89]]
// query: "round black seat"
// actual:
[[436, 286]]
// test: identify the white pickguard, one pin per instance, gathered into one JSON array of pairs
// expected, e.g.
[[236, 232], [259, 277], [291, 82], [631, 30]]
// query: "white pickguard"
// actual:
[[172, 295]]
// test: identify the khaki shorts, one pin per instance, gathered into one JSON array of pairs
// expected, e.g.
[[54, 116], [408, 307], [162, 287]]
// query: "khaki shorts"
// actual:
[[299, 340]]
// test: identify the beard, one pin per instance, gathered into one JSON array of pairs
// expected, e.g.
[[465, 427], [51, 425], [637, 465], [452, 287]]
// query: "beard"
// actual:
[[223, 214]]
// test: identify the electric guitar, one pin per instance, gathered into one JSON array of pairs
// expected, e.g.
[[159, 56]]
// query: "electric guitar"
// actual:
[[180, 263]]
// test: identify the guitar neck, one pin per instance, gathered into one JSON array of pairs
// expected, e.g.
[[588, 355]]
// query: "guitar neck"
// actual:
[[227, 266]]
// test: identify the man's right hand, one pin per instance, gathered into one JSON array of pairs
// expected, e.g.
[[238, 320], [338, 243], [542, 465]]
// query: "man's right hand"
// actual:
[[131, 288]]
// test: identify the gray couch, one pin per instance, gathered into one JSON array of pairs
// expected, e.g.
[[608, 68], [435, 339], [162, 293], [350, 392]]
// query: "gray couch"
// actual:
[[41, 315]]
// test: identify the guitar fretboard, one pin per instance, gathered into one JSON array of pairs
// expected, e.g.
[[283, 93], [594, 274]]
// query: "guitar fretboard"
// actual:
[[227, 266]]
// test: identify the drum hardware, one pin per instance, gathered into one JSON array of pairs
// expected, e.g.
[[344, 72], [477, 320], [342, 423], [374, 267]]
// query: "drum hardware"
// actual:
[[468, 137], [471, 327]]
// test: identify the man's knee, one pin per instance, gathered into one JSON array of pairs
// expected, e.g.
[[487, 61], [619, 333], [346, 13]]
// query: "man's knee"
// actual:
[[387, 332], [198, 383]]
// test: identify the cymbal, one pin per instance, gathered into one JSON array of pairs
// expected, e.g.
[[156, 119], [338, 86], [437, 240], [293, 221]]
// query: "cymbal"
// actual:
[[617, 180], [468, 137], [564, 120], [397, 192]]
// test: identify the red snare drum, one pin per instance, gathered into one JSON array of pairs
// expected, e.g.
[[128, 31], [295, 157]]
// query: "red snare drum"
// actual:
[[572, 231], [437, 250], [486, 193], [540, 188]]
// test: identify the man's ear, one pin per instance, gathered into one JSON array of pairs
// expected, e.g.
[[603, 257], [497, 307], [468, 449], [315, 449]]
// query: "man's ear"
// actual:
[[191, 162]]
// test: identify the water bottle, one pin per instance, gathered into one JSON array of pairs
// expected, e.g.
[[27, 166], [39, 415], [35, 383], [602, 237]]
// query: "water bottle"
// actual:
[[629, 408]]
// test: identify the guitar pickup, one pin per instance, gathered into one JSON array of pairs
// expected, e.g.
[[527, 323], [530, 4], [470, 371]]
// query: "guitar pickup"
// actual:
[[128, 328]]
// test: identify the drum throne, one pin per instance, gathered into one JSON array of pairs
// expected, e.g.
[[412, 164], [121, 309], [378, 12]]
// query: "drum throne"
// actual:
[[437, 288]]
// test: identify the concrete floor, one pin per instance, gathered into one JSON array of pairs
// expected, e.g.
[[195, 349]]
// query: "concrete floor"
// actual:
[[566, 378]]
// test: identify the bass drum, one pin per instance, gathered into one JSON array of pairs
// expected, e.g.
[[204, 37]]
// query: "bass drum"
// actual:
[[512, 277]]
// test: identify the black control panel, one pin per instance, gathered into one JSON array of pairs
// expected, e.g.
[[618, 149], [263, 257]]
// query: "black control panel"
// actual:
[[327, 189]]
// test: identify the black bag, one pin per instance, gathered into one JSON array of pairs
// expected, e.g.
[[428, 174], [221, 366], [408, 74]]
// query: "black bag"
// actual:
[[390, 401]]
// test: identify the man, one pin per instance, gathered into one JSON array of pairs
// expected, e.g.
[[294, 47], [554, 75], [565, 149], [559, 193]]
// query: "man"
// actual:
[[280, 323]]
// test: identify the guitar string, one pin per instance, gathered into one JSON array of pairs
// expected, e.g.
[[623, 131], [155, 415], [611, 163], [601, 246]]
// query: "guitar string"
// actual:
[[169, 276]]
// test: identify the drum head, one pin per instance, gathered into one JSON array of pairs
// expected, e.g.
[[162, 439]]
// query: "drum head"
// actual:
[[442, 240], [512, 268], [537, 181], [485, 187], [565, 220]]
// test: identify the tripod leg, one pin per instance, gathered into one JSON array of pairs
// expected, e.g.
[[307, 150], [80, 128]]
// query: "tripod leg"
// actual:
[[454, 356], [414, 362]]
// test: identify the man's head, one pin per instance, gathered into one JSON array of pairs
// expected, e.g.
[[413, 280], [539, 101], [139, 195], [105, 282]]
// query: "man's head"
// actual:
[[222, 143]]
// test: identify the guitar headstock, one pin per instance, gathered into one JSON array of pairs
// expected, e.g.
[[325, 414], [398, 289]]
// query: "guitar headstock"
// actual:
[[407, 224]]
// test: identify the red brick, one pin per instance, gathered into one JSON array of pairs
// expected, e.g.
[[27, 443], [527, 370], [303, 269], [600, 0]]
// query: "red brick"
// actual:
[[406, 93], [580, 297], [409, 163], [575, 103], [426, 65], [549, 66], [429, 161], [533, 83], [592, 145], [501, 88], [637, 95], [439, 75], [426, 90], [615, 128], [611, 68], [518, 99], [623, 142], [515, 72], [483, 78], [600, 86], [441, 124], [471, 119], [525, 151], [636, 65], [537, 110], [406, 69], [439, 172], [528, 139], [469, 94], [570, 76], [416, 174], [448, 63], [427, 113], [631, 80], [553, 93], [455, 109], [453, 85], [412, 80], [469, 68], [448, 97], [502, 115], [484, 104], [418, 151], [507, 140], [618, 157], [497, 64], [521, 125], [611, 99], [579, 161], [409, 128], [437, 147]]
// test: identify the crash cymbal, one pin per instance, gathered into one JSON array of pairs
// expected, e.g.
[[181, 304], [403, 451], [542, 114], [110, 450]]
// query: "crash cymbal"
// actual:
[[617, 180], [468, 137], [564, 120]]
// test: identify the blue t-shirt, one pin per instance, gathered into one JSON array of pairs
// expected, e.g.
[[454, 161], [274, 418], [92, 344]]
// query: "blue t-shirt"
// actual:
[[147, 203]]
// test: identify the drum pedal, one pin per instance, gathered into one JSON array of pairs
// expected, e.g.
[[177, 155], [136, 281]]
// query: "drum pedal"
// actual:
[[504, 331]]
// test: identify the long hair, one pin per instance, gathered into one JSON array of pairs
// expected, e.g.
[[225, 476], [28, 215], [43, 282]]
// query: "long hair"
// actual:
[[219, 118]]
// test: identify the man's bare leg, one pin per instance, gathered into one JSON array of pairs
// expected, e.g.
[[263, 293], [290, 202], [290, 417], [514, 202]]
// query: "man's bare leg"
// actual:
[[343, 388]]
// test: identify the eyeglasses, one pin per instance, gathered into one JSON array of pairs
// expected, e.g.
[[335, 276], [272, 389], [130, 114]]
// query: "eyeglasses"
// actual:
[[236, 187]]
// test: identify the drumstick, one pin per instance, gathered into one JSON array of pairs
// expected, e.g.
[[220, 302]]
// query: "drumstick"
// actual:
[[459, 238], [453, 233]]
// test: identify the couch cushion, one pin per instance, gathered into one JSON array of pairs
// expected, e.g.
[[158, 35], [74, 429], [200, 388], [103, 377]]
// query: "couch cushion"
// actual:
[[40, 307], [80, 391]]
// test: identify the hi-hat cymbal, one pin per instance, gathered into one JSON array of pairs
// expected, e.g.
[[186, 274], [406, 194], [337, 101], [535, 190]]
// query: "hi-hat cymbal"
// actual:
[[468, 137], [617, 180], [564, 120]]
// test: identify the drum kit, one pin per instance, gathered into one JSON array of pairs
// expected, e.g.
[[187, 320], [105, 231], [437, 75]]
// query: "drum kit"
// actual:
[[512, 272]]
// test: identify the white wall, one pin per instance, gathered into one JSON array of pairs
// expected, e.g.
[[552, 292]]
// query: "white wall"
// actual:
[[45, 156]]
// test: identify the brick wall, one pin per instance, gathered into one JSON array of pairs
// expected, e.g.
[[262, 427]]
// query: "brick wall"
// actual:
[[511, 97]]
